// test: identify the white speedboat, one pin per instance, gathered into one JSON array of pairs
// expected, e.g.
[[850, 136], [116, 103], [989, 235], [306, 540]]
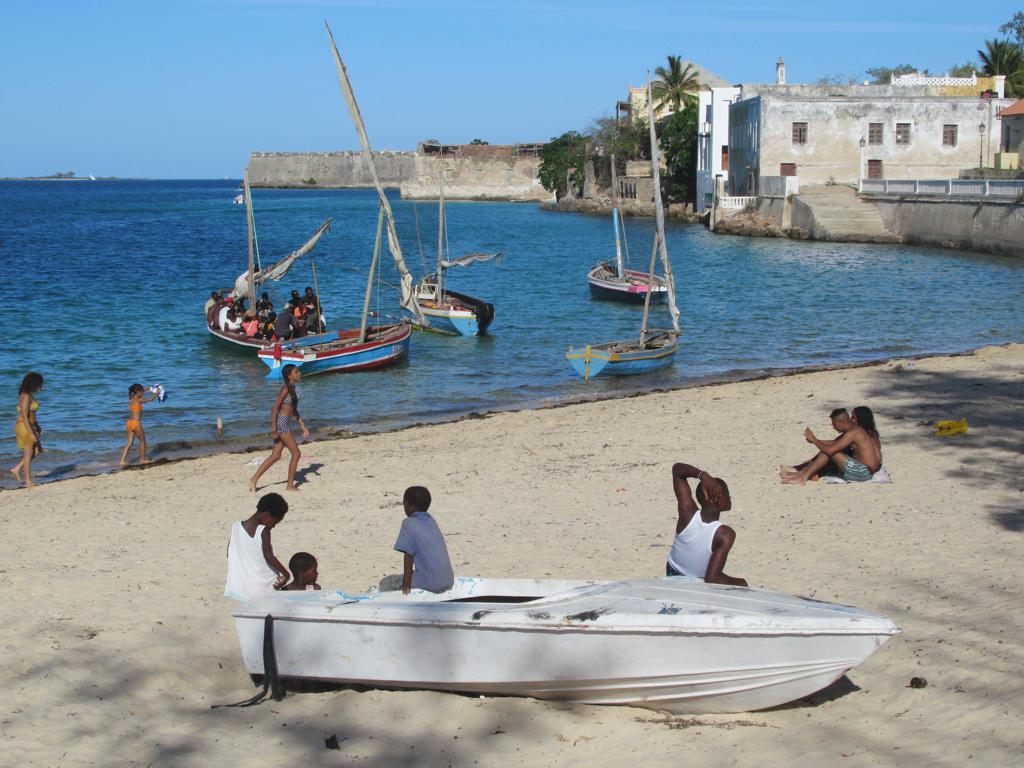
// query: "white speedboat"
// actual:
[[673, 644]]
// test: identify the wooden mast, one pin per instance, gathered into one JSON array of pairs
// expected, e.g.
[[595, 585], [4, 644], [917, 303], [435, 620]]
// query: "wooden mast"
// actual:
[[616, 220], [248, 222], [369, 278], [650, 289], [439, 294], [659, 214]]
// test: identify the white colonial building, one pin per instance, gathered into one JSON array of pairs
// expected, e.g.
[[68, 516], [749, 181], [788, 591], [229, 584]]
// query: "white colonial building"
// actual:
[[713, 141], [914, 128]]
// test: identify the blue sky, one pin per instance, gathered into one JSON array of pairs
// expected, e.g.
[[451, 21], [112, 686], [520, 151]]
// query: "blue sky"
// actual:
[[187, 89]]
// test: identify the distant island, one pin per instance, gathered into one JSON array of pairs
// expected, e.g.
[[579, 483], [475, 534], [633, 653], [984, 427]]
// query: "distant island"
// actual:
[[59, 176]]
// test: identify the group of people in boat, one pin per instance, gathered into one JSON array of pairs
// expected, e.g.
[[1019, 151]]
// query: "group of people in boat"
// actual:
[[301, 315]]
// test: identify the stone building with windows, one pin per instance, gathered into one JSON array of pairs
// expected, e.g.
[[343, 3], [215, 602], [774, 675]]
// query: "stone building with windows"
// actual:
[[916, 127]]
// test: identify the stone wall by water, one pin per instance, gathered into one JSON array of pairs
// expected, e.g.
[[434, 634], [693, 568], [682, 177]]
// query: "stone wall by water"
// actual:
[[987, 226], [417, 176], [335, 170]]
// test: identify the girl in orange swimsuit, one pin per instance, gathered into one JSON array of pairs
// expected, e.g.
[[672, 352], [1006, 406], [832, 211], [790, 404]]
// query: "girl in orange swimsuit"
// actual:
[[136, 397], [26, 429]]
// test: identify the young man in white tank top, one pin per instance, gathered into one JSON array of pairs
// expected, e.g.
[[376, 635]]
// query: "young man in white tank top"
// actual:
[[702, 541]]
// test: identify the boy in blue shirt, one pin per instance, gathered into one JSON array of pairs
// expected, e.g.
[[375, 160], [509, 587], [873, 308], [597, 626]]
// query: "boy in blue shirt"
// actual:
[[426, 563]]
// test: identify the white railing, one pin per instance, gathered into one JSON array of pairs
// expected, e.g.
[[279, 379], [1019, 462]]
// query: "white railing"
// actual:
[[944, 187], [916, 79], [735, 203], [778, 186]]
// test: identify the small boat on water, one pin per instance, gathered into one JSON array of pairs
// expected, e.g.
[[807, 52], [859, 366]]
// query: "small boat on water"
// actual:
[[346, 351], [452, 312], [672, 644], [655, 348], [613, 281], [249, 282]]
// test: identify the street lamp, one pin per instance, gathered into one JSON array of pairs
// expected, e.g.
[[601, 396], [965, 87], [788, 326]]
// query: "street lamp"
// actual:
[[862, 144], [981, 143]]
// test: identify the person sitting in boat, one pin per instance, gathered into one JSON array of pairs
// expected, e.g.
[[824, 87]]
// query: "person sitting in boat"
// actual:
[[284, 324], [264, 306], [856, 453], [232, 323], [299, 324], [295, 299], [222, 314], [250, 325], [253, 570], [266, 330], [211, 306], [702, 543], [304, 572], [426, 564]]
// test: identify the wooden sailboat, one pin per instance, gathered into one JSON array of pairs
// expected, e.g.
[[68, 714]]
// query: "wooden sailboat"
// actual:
[[369, 346], [655, 348], [249, 282], [450, 311], [613, 281]]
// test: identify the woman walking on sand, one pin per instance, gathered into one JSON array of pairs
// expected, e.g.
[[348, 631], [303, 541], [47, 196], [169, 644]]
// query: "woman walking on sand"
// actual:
[[26, 428], [284, 411], [136, 398]]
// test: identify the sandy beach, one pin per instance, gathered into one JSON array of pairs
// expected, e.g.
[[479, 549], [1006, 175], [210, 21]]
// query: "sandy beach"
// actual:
[[117, 641]]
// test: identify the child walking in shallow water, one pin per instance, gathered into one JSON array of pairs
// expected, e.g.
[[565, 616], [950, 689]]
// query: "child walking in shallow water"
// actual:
[[26, 429], [136, 397]]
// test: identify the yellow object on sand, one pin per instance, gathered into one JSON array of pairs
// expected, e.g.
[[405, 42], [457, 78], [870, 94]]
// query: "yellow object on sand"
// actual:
[[945, 428]]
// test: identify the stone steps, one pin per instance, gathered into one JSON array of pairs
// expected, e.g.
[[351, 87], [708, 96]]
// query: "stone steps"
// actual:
[[837, 214]]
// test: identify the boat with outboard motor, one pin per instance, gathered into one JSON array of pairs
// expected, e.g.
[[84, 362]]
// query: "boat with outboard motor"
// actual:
[[674, 644]]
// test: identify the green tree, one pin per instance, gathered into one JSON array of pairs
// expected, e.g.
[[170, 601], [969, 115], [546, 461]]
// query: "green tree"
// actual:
[[628, 140], [678, 140], [479, 141], [556, 158], [1015, 27], [675, 86], [1003, 57], [883, 75], [964, 70]]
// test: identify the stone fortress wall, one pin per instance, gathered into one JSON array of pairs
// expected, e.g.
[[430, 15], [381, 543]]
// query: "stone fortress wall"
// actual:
[[470, 172]]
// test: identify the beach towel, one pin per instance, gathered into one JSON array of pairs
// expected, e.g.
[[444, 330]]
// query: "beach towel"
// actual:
[[881, 476]]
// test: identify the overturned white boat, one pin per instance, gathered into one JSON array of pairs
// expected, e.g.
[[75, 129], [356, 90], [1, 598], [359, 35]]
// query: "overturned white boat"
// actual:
[[672, 644]]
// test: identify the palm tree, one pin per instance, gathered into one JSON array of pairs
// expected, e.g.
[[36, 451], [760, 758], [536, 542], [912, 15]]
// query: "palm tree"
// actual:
[[1002, 57], [675, 86]]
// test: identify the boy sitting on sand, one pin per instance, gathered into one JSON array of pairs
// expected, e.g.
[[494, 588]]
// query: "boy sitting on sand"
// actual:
[[702, 543], [304, 572], [864, 459], [426, 564], [252, 568]]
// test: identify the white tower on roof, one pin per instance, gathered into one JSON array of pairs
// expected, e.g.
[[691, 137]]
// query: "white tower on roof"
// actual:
[[780, 72]]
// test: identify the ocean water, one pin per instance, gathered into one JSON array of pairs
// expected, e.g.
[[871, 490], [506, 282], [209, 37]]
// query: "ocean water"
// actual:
[[105, 283]]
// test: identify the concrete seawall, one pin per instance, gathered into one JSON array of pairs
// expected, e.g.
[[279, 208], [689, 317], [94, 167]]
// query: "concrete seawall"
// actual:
[[329, 170], [417, 176], [988, 226]]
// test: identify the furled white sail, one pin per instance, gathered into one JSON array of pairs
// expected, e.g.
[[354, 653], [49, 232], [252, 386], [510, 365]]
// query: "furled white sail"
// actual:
[[277, 270], [659, 215], [469, 258], [407, 298]]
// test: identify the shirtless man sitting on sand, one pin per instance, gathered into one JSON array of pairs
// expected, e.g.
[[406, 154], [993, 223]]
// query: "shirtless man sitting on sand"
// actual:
[[858, 467]]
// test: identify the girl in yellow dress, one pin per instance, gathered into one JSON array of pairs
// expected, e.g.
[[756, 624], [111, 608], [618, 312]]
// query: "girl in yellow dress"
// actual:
[[26, 428]]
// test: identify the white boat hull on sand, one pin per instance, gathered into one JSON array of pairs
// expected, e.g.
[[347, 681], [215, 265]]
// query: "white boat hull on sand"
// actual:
[[676, 645]]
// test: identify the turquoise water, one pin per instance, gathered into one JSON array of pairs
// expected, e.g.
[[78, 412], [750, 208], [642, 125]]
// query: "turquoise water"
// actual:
[[106, 282]]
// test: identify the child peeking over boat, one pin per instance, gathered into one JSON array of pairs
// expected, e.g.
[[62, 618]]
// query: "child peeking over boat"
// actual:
[[426, 564], [304, 572], [253, 570]]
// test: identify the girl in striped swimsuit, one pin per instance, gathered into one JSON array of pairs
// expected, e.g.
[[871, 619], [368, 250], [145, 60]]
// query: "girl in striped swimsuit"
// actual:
[[284, 411]]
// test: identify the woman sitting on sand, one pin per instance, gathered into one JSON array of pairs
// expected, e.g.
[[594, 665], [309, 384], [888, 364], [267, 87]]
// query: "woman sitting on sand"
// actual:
[[284, 411], [26, 428]]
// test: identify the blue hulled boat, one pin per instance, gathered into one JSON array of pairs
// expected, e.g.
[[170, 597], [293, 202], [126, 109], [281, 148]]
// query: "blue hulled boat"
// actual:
[[347, 351]]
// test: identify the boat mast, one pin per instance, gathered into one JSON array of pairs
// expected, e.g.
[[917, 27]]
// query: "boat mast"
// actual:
[[619, 268], [249, 228], [369, 278], [407, 296], [659, 214], [439, 297], [650, 290]]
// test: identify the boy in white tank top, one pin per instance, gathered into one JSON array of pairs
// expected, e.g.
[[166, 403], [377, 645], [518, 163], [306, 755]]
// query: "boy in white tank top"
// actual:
[[253, 570], [702, 543]]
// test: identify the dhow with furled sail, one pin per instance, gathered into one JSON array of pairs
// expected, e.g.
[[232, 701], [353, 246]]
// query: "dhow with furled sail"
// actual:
[[249, 282], [656, 348]]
